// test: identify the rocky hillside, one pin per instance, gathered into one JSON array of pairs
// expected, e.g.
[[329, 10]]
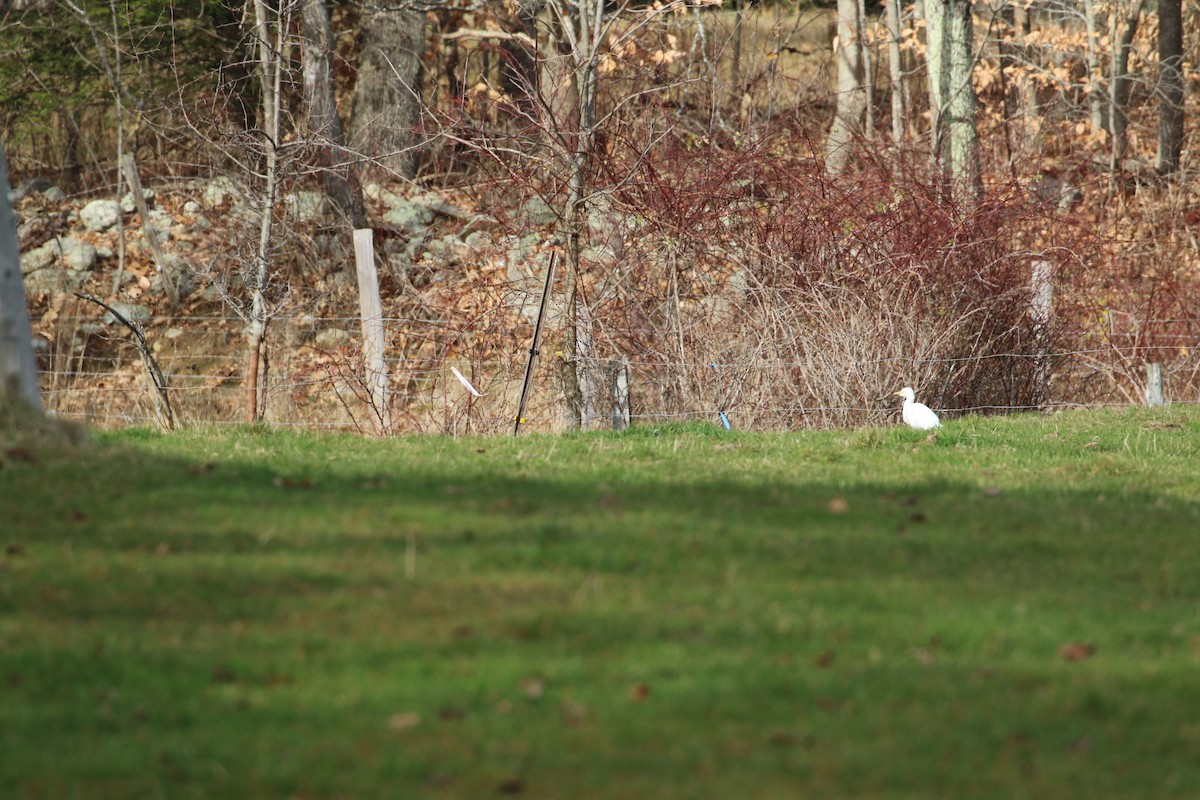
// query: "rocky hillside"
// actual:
[[460, 288]]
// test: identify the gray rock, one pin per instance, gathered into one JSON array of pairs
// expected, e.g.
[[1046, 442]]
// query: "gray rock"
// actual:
[[408, 216], [76, 254], [99, 215], [600, 256], [49, 281], [537, 211], [54, 194], [331, 338], [520, 250], [477, 240], [133, 312], [129, 206], [304, 206], [105, 253], [221, 189], [192, 207], [40, 257], [380, 194], [200, 225]]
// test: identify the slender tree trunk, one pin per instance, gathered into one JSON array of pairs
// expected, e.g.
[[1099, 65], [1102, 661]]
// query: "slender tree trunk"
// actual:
[[1120, 84], [1170, 85], [1095, 95], [18, 367], [868, 74], [851, 95], [519, 70], [895, 70], [1028, 91], [936, 71], [325, 126], [387, 93], [270, 48], [579, 363]]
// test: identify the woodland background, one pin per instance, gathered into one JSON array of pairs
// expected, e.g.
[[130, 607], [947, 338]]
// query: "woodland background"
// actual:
[[775, 211]]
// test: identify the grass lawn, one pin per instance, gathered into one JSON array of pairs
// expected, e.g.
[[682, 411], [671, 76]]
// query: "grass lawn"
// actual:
[[1010, 610]]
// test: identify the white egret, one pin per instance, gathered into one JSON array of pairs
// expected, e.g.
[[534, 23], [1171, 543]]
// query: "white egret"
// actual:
[[917, 415]]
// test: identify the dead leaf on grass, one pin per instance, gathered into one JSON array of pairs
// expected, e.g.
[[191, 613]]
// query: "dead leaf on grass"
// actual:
[[1077, 651], [639, 693], [838, 505], [512, 786], [294, 483], [21, 453], [573, 712], [404, 721]]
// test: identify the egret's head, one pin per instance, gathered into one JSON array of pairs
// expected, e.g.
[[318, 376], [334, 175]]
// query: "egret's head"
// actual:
[[907, 393]]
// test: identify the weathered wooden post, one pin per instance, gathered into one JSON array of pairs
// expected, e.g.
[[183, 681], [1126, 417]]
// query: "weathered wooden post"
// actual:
[[1041, 311], [618, 382], [374, 344], [1154, 385], [18, 367]]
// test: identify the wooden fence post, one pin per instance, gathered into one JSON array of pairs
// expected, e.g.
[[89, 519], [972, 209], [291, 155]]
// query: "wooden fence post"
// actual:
[[1154, 385], [371, 311], [618, 382], [1041, 311]]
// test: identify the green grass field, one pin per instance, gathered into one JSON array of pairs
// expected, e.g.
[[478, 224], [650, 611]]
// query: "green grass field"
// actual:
[[1011, 610]]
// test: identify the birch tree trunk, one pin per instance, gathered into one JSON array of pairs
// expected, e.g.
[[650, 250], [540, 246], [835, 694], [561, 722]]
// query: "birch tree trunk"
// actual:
[[341, 184], [952, 100], [895, 69], [936, 71], [964, 173], [851, 94], [18, 367]]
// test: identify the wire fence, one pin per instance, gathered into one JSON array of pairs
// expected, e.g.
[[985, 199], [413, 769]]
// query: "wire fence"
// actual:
[[315, 381]]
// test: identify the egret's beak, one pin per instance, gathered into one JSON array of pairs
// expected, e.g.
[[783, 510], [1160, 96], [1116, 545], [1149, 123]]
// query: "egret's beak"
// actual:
[[895, 394]]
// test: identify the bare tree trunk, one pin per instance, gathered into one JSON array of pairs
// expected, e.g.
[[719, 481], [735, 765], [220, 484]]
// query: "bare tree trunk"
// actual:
[[519, 70], [965, 175], [341, 184], [387, 93], [851, 94], [868, 73], [895, 70], [952, 91], [18, 367], [1094, 77], [936, 72], [270, 71], [1029, 98], [1170, 85], [569, 76], [1120, 84]]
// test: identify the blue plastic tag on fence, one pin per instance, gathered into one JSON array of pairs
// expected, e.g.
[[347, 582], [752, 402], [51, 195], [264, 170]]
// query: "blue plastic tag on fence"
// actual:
[[724, 419]]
